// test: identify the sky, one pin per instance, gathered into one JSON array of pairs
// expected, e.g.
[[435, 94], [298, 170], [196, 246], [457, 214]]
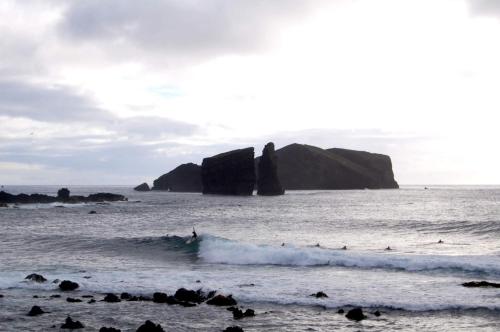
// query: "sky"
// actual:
[[119, 92]]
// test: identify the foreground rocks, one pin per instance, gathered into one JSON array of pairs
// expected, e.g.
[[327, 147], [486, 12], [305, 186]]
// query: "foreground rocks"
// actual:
[[319, 295], [70, 324], [36, 278], [67, 285], [474, 284], [142, 187], [35, 311], [63, 196], [184, 178], [233, 329], [355, 314], [268, 183], [221, 300], [229, 173], [149, 326]]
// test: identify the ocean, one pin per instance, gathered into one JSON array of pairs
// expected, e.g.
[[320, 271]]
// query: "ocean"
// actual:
[[271, 253]]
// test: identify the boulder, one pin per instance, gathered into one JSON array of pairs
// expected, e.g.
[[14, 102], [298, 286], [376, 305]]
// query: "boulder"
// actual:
[[237, 313], [229, 173], [70, 324], [72, 300], [111, 298], [149, 326], [355, 314], [183, 178], [481, 284], [186, 295], [306, 167], [36, 277], [125, 296], [319, 295], [268, 183], [109, 329], [142, 187], [160, 297], [249, 313], [67, 285], [221, 300], [63, 194], [35, 311], [233, 329]]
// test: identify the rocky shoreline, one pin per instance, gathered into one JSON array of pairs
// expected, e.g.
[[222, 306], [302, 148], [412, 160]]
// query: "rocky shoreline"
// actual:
[[63, 196]]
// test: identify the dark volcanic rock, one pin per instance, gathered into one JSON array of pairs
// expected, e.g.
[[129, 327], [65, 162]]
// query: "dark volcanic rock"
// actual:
[[233, 329], [109, 329], [36, 277], [67, 285], [72, 300], [142, 187], [249, 313], [111, 298], [160, 297], [125, 296], [184, 178], [355, 314], [149, 326], [62, 196], [35, 311], [268, 183], [186, 295], [305, 167], [71, 324], [319, 295], [221, 300], [229, 173], [481, 284]]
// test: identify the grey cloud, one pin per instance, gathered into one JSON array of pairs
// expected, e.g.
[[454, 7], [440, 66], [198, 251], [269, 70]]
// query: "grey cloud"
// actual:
[[175, 26], [485, 7]]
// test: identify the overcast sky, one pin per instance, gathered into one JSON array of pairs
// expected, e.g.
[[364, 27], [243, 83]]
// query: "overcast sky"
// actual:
[[120, 92]]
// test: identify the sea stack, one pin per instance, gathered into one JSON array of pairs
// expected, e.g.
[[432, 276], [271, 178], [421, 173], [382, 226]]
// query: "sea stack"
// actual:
[[183, 178], [229, 173], [142, 187], [268, 183]]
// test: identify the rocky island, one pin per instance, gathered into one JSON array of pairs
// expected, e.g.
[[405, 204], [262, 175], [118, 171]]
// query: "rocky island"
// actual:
[[184, 178], [63, 196]]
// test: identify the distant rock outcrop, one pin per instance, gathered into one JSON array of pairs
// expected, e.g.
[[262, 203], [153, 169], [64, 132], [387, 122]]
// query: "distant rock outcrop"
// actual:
[[184, 178], [306, 167], [62, 196], [142, 187], [268, 183], [229, 173]]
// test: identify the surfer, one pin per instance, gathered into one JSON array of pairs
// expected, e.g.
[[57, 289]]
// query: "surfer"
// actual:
[[195, 236], [344, 248], [440, 241], [388, 248]]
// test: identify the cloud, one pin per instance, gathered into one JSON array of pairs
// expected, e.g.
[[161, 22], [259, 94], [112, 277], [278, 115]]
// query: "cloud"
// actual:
[[194, 27], [485, 7]]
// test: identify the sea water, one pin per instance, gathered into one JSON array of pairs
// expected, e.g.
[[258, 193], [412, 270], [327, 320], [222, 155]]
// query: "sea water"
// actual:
[[271, 253]]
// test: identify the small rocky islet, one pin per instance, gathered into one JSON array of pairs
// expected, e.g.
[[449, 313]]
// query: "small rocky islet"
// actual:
[[63, 196]]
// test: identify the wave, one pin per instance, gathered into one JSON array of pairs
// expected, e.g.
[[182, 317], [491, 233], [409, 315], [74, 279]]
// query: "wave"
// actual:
[[214, 249]]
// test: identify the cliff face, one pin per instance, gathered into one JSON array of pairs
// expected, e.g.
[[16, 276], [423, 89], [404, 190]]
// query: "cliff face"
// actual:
[[229, 173], [184, 178], [268, 183], [309, 167]]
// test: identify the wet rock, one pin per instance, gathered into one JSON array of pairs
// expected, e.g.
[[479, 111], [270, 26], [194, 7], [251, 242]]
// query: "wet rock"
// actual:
[[72, 300], [149, 326], [71, 324], [249, 313], [67, 285], [36, 277], [142, 187], [355, 314], [340, 311], [481, 284], [237, 313], [171, 300], [125, 296], [91, 301], [233, 329], [55, 281], [221, 300], [377, 313], [268, 183], [187, 304], [87, 296], [55, 296], [35, 311], [109, 329], [111, 298], [186, 295], [1, 296], [63, 194], [230, 173], [159, 297], [319, 295], [35, 296], [92, 212]]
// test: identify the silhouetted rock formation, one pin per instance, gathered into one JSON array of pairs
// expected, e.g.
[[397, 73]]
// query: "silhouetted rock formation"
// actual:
[[62, 196], [481, 284], [142, 187], [268, 182], [184, 178], [230, 173], [303, 167]]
